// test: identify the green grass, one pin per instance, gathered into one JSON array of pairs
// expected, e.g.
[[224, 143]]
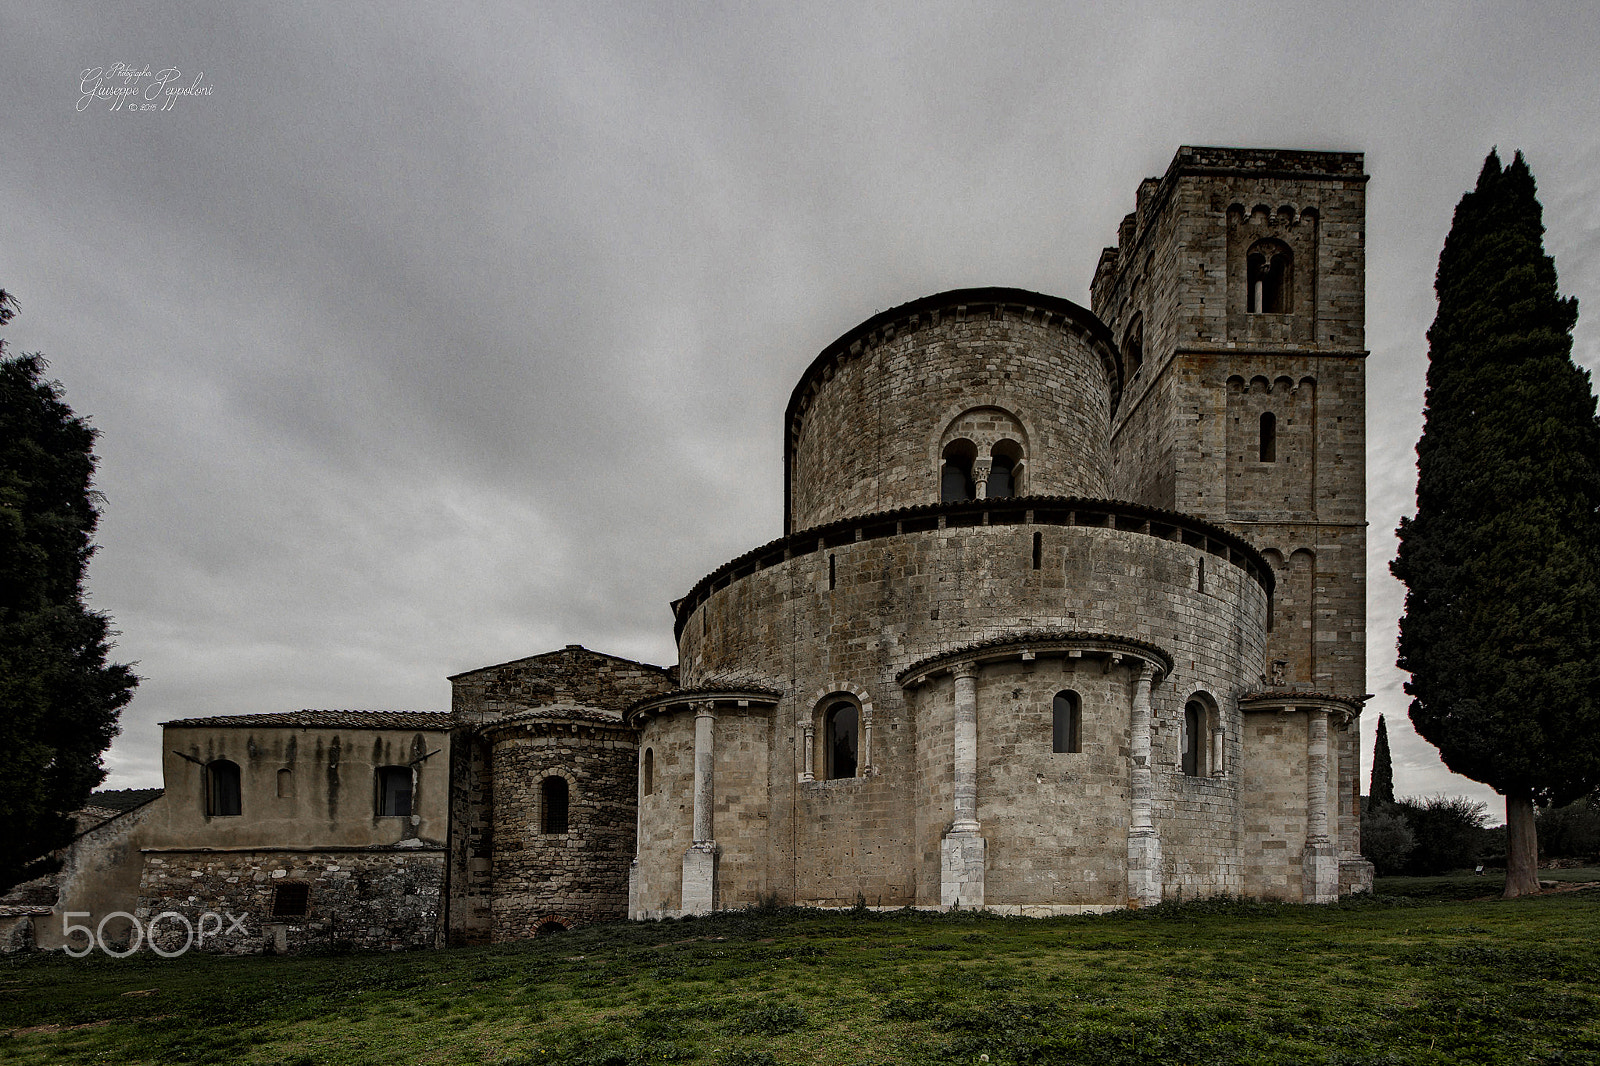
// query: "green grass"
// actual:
[[1465, 885], [1382, 980]]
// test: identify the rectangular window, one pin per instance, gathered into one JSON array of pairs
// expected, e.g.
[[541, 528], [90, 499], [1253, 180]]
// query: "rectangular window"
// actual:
[[291, 900], [394, 791]]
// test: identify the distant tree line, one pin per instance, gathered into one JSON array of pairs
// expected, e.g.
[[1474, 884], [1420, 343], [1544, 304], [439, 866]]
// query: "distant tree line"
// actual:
[[1421, 837]]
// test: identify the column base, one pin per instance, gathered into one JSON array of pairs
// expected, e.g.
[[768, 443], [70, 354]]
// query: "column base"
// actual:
[[962, 860], [1320, 874], [700, 878], [1144, 868], [1355, 875]]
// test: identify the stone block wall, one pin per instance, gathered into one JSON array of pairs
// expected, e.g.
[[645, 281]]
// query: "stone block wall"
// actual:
[[580, 875], [368, 899], [1274, 780], [573, 676], [849, 617], [867, 421]]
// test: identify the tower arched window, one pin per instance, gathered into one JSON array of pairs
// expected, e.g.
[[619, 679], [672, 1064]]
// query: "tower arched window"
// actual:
[[955, 473], [647, 773], [1269, 279], [1269, 437], [1066, 723], [1133, 348], [553, 796], [841, 740], [222, 788]]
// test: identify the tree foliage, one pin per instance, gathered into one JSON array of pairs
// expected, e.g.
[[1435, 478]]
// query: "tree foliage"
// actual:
[[59, 698], [1501, 632], [1386, 837], [1381, 787]]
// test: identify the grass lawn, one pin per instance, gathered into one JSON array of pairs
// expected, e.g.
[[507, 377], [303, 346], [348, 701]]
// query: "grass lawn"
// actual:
[[1384, 980]]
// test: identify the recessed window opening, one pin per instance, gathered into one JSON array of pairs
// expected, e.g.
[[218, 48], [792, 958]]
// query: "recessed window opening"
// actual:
[[291, 900], [1038, 549], [394, 791], [841, 738], [648, 773], [1133, 348], [833, 573], [1194, 730], [222, 788], [1200, 584], [1269, 437], [1066, 723], [1268, 277], [955, 475], [553, 796], [285, 784], [1005, 469]]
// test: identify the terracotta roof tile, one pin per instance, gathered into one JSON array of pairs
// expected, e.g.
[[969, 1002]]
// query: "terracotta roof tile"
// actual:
[[311, 719]]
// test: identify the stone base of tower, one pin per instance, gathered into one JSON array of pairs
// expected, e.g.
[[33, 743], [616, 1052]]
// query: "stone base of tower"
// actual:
[[963, 858]]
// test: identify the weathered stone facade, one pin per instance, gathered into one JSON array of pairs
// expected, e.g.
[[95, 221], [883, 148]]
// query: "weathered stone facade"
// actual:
[[371, 899], [1067, 615]]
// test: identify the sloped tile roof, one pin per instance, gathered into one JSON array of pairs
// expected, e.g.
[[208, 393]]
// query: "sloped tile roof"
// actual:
[[311, 719]]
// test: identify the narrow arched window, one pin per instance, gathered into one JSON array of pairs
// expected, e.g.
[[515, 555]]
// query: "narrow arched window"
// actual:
[[1000, 483], [647, 773], [1194, 745], [285, 784], [1066, 720], [955, 473], [1133, 348], [1269, 437], [222, 788], [394, 791], [553, 805], [842, 738]]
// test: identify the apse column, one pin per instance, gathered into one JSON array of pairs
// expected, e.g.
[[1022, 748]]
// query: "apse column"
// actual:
[[1144, 844], [700, 861], [1321, 860], [963, 851]]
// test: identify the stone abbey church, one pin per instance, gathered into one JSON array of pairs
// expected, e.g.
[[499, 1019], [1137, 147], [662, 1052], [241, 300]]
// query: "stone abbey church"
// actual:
[[1066, 614]]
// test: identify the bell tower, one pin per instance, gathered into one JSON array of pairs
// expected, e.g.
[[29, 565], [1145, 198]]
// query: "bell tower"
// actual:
[[1236, 294]]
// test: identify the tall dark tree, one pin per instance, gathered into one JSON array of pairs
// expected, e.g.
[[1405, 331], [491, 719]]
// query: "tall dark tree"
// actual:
[[59, 698], [1501, 632], [1381, 790]]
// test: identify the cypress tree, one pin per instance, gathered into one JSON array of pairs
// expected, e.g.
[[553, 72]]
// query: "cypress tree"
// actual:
[[59, 698], [1381, 789], [1502, 562]]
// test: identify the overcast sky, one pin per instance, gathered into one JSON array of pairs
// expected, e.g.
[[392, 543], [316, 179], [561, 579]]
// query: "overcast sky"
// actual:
[[423, 340]]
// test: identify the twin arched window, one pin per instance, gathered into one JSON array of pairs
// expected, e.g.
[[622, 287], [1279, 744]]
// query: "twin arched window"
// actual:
[[1269, 279], [958, 471]]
